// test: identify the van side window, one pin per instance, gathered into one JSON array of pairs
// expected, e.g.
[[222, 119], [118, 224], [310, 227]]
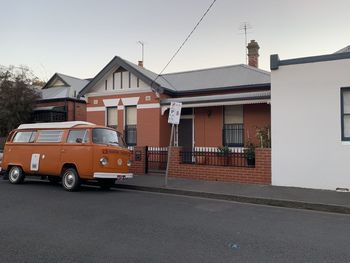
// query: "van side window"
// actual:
[[25, 136], [50, 136], [78, 136]]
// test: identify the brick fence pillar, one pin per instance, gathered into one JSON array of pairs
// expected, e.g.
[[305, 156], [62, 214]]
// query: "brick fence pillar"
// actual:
[[263, 164], [138, 160], [174, 160]]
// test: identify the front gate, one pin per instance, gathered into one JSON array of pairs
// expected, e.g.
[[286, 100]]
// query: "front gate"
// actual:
[[157, 158]]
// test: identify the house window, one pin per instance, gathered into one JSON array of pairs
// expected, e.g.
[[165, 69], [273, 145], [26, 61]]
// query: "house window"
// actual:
[[112, 117], [130, 125], [233, 130], [345, 113]]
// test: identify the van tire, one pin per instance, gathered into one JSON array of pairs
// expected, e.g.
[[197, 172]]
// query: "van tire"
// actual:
[[16, 175], [106, 184], [70, 180], [54, 179]]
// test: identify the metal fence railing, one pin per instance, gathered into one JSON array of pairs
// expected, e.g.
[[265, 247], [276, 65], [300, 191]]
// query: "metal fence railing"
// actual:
[[216, 156], [157, 158]]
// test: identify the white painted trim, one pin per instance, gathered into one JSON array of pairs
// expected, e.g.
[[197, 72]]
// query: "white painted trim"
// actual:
[[209, 104], [113, 175], [111, 102], [131, 101], [117, 92], [149, 106], [89, 109], [49, 125]]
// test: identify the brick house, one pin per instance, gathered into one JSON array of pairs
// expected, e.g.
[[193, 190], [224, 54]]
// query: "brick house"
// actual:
[[59, 100], [221, 106]]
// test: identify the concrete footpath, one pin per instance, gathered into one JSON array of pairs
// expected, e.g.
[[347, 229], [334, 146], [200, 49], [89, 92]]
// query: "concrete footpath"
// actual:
[[292, 197]]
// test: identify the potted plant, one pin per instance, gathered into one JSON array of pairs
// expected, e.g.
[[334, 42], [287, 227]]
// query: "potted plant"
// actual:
[[224, 155], [249, 153]]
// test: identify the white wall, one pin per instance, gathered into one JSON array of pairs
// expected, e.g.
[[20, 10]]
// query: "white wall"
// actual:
[[307, 150]]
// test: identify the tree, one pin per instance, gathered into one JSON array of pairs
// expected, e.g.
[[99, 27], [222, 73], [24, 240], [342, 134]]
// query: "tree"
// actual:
[[17, 97]]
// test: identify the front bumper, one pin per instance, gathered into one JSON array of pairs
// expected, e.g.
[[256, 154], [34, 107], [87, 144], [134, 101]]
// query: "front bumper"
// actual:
[[118, 176]]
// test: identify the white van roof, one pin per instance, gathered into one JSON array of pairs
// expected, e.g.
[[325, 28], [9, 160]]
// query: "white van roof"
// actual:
[[49, 125]]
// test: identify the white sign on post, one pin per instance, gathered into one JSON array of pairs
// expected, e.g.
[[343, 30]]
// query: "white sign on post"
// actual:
[[175, 112]]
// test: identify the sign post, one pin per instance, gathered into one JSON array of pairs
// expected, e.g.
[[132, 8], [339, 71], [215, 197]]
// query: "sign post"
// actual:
[[174, 118]]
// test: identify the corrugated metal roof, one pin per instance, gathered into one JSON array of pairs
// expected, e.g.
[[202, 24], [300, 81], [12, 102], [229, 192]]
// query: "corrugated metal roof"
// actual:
[[66, 91], [75, 83], [221, 77], [344, 50], [210, 78], [55, 93], [235, 76]]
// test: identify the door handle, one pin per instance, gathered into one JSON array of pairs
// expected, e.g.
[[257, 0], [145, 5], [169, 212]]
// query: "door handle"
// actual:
[[62, 151]]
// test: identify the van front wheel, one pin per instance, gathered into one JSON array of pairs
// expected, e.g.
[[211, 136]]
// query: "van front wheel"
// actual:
[[16, 175], [70, 180]]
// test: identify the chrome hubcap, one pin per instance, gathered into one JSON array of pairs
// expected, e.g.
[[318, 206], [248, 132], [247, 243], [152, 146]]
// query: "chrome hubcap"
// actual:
[[69, 180], [14, 174]]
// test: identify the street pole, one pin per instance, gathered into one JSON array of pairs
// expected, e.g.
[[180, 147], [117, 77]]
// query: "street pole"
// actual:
[[169, 151]]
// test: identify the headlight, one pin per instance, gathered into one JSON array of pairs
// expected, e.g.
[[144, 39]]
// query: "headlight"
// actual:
[[104, 161], [129, 163]]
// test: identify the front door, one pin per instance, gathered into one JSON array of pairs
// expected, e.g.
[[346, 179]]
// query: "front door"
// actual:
[[185, 133]]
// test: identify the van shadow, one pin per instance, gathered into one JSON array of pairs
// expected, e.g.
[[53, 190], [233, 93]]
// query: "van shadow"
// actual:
[[85, 186]]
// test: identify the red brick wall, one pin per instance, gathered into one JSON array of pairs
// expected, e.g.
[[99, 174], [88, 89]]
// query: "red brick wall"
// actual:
[[164, 130], [138, 166], [97, 117], [260, 174], [255, 115], [148, 128], [80, 108]]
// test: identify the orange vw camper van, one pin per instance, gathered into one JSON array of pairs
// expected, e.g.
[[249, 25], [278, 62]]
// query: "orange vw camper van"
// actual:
[[68, 151]]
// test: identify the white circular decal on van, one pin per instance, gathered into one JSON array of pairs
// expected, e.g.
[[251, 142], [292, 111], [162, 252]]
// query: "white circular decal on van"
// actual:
[[120, 161]]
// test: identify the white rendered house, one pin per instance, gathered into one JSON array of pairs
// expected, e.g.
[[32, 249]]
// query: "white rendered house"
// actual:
[[310, 120]]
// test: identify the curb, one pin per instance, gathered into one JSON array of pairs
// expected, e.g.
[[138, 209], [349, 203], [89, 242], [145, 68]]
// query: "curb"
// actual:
[[242, 199]]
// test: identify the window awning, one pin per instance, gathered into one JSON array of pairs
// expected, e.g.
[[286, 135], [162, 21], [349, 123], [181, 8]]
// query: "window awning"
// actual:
[[219, 100]]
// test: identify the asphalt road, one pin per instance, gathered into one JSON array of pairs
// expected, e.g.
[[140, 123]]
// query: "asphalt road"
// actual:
[[40, 222]]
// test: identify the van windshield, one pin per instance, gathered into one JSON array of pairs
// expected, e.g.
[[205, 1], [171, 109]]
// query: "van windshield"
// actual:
[[106, 136]]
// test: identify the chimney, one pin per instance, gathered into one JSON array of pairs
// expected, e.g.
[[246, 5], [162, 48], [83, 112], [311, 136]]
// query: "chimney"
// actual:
[[140, 63], [253, 53]]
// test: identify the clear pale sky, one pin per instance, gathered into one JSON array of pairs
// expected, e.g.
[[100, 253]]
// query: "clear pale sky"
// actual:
[[79, 37]]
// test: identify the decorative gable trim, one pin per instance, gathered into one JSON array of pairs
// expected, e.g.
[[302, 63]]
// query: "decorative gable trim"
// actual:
[[117, 61], [130, 101], [52, 79], [111, 102]]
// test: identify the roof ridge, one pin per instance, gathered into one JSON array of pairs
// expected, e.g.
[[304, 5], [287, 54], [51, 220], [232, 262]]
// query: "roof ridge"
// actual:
[[203, 69], [70, 76], [257, 69]]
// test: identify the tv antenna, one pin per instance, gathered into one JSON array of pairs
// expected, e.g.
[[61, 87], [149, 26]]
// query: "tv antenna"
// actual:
[[245, 26]]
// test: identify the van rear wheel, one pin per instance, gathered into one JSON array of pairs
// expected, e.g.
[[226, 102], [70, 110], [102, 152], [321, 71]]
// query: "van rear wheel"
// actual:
[[70, 180], [16, 175]]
